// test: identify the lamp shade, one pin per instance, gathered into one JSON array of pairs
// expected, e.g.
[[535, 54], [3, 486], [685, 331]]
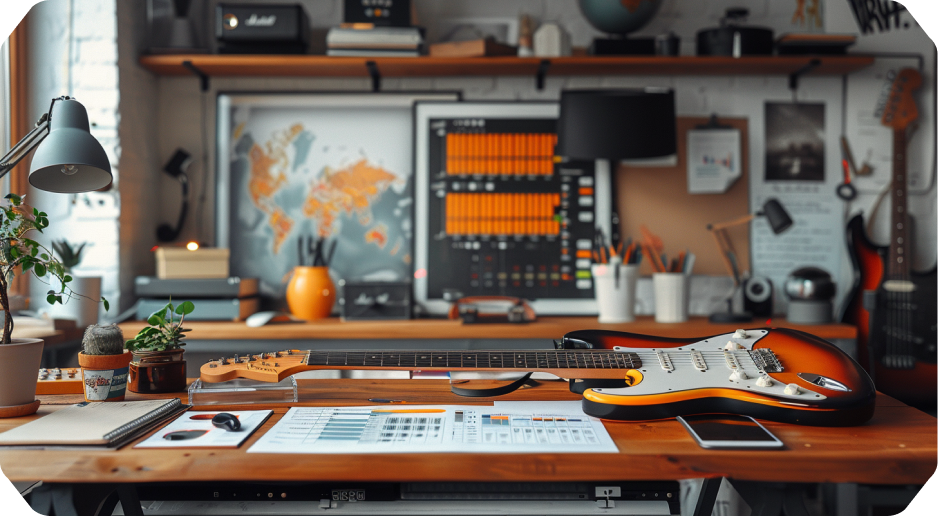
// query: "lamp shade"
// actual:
[[616, 124], [69, 159], [777, 216]]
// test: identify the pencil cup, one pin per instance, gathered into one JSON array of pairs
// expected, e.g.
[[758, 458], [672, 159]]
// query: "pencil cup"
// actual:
[[672, 291], [310, 293], [615, 291]]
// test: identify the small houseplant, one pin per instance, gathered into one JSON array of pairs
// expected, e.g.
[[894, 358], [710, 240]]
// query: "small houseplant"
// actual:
[[157, 364], [104, 363], [84, 314], [20, 358]]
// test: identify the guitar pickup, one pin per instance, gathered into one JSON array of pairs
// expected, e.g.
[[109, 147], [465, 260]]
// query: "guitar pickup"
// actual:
[[665, 361]]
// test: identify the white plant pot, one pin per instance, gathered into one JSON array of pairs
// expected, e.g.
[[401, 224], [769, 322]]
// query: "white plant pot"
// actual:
[[19, 371], [83, 310]]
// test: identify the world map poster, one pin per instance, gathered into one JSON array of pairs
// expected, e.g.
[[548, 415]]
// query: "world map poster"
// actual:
[[334, 168]]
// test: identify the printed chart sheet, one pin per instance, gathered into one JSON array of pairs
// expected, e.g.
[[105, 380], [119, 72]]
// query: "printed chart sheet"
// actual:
[[524, 428]]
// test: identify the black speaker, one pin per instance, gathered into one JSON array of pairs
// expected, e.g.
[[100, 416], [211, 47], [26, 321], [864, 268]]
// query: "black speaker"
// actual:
[[757, 296]]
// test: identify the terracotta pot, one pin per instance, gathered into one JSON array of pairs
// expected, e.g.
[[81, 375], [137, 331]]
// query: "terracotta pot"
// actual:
[[19, 371], [104, 376], [153, 372], [310, 293]]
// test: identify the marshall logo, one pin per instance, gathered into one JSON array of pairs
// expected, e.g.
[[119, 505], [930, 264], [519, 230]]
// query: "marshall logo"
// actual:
[[261, 21]]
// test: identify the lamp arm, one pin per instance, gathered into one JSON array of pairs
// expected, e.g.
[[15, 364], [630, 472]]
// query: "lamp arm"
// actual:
[[730, 223], [25, 146], [726, 253]]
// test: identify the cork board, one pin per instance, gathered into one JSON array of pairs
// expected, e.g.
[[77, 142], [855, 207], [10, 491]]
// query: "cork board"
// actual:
[[657, 197]]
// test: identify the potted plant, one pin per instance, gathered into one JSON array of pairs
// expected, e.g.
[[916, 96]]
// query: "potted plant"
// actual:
[[157, 364], [20, 358], [104, 363], [84, 314]]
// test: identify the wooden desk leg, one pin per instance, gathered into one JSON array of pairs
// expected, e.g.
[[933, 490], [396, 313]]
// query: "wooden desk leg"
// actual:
[[707, 497]]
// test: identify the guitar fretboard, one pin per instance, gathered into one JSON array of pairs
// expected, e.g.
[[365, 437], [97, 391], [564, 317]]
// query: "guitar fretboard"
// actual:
[[528, 360]]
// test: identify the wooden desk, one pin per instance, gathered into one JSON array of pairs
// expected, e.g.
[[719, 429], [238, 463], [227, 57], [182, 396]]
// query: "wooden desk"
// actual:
[[543, 328], [896, 447]]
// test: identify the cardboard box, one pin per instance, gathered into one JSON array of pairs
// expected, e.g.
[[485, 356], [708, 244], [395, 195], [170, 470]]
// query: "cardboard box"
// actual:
[[179, 262]]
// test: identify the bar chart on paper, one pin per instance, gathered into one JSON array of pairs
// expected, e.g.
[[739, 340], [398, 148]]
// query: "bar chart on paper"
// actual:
[[429, 429]]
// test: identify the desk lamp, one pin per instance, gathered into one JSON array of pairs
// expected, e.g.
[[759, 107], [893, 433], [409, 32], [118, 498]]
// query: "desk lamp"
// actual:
[[616, 124], [778, 220], [69, 159]]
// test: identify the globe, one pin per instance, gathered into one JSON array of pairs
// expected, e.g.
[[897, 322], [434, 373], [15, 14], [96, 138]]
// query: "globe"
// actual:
[[619, 16]]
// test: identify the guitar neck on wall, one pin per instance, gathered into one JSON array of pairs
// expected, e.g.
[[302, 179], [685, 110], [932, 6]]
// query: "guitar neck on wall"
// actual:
[[894, 307]]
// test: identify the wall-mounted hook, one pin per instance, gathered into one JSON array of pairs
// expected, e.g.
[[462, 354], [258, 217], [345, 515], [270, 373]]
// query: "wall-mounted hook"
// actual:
[[375, 75], [203, 78], [541, 73]]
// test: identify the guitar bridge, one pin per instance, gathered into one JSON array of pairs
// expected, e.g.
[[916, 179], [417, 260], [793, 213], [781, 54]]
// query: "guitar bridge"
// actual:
[[766, 361]]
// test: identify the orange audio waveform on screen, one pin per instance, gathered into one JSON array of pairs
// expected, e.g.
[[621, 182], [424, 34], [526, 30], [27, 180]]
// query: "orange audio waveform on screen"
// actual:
[[500, 153], [502, 214]]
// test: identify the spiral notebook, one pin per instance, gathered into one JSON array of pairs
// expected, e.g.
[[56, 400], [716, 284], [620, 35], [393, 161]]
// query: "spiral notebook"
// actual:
[[94, 424]]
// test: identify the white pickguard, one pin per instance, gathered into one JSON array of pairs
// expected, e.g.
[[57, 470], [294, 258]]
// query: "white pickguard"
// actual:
[[707, 364]]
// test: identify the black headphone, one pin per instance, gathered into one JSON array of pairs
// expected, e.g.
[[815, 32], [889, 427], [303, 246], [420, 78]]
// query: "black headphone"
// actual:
[[177, 167]]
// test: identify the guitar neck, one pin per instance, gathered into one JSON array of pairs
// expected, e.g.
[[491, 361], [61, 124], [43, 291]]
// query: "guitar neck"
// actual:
[[487, 360], [897, 267]]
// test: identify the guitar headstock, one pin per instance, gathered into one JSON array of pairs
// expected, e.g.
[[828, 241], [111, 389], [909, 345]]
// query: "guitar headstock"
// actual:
[[264, 367], [901, 109]]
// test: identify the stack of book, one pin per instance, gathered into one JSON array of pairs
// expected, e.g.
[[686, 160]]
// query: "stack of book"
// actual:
[[376, 42]]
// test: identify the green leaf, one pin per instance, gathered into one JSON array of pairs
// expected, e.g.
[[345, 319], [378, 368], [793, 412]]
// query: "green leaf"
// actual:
[[185, 308], [40, 269], [156, 318], [107, 306], [14, 253], [44, 256], [51, 299]]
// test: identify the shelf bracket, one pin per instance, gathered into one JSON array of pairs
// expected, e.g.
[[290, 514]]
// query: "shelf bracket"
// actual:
[[203, 78], [541, 73], [375, 75], [796, 75]]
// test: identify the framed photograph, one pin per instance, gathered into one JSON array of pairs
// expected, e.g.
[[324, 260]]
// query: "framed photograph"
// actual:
[[794, 141], [335, 168], [496, 215]]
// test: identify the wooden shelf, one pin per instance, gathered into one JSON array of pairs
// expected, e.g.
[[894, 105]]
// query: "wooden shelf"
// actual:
[[544, 328], [324, 66]]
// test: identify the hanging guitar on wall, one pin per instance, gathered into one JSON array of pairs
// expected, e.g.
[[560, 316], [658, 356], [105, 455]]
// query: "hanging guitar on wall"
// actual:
[[893, 307]]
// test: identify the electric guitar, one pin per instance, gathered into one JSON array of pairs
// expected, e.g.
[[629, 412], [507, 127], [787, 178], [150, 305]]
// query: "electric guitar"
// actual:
[[893, 307], [777, 374]]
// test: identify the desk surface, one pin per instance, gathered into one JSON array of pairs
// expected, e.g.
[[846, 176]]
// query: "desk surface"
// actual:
[[896, 447], [543, 328]]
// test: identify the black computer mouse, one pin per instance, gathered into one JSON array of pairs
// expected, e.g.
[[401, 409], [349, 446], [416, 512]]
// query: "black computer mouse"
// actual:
[[227, 421]]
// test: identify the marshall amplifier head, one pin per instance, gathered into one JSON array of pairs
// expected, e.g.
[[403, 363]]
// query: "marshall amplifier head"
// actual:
[[261, 29]]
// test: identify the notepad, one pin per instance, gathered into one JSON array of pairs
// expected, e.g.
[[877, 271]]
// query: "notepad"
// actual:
[[102, 424]]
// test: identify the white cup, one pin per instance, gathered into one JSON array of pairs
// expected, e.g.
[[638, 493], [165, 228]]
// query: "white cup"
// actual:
[[672, 291], [615, 293]]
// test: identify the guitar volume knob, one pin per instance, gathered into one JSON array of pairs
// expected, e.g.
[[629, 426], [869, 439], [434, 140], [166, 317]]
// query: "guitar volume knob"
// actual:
[[764, 381], [792, 389]]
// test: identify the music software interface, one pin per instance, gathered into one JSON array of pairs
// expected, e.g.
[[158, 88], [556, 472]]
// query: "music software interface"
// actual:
[[504, 218]]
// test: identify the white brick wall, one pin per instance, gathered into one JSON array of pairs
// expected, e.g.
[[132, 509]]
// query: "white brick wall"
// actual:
[[79, 62]]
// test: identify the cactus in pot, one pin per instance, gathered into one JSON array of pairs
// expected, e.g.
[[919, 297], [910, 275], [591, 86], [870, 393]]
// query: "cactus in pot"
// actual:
[[104, 363]]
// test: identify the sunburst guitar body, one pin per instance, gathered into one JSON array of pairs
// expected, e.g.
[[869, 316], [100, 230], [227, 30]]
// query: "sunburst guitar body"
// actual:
[[894, 307], [776, 374]]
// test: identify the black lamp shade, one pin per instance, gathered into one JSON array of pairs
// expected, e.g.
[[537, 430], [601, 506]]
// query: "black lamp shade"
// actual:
[[776, 215], [616, 124], [69, 159]]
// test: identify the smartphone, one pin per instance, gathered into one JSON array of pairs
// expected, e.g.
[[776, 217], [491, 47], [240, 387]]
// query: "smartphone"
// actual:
[[721, 431]]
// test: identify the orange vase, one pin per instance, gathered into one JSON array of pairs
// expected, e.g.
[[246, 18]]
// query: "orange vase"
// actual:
[[310, 293]]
